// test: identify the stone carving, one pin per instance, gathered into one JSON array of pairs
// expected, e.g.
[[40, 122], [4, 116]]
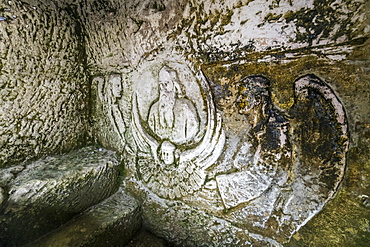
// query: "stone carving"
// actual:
[[289, 164], [172, 116], [110, 92], [268, 136], [273, 172], [173, 150]]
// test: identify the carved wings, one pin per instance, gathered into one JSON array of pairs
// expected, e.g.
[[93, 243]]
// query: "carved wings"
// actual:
[[205, 152], [319, 142], [211, 145], [305, 179], [320, 137], [144, 142]]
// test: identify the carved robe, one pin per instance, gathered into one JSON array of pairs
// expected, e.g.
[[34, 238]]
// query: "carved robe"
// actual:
[[185, 122]]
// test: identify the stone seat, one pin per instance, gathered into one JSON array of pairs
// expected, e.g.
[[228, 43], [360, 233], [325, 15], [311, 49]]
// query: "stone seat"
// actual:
[[112, 222], [38, 197]]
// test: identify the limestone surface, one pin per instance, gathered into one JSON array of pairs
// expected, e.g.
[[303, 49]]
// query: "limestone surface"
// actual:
[[43, 87], [42, 195], [241, 122], [112, 222]]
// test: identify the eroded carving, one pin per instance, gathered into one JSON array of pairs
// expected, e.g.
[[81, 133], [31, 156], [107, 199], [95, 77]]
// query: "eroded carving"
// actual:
[[271, 172], [173, 150], [173, 117], [258, 157], [110, 94], [288, 164]]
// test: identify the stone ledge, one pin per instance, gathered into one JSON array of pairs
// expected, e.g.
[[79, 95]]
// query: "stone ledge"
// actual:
[[112, 222], [40, 196]]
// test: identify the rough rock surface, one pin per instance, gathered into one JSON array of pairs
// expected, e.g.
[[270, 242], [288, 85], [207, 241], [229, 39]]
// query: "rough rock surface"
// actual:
[[144, 238], [112, 222], [43, 86], [271, 172], [42, 195], [267, 178]]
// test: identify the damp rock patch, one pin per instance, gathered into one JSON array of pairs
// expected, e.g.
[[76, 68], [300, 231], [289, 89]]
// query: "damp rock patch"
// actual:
[[40, 196], [113, 222]]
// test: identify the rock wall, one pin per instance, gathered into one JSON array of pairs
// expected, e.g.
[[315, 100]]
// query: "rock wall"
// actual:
[[241, 122], [42, 80], [253, 178]]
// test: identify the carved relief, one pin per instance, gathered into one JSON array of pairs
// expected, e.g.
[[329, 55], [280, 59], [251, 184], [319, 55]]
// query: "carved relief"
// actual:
[[266, 145], [111, 95], [172, 117], [173, 151], [274, 171], [288, 164]]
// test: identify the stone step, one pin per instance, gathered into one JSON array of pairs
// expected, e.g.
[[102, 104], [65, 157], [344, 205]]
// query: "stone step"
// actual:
[[112, 222], [40, 196]]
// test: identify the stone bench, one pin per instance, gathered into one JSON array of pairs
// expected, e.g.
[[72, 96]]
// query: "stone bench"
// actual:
[[40, 196], [112, 222]]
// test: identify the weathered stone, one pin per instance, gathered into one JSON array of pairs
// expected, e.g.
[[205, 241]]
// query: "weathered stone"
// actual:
[[184, 225], [145, 238], [265, 175], [112, 222], [42, 81], [271, 161], [48, 192], [269, 151]]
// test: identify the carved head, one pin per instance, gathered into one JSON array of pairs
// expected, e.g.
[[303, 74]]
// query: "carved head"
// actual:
[[253, 93], [168, 81], [167, 153], [116, 84]]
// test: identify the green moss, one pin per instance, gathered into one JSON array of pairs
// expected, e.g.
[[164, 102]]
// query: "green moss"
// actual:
[[226, 18], [289, 16], [282, 76], [271, 17], [204, 26], [343, 222]]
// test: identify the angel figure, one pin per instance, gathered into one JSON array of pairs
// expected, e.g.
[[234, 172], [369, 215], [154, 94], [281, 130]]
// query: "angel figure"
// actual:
[[267, 144], [109, 91], [297, 157], [169, 161], [172, 116]]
